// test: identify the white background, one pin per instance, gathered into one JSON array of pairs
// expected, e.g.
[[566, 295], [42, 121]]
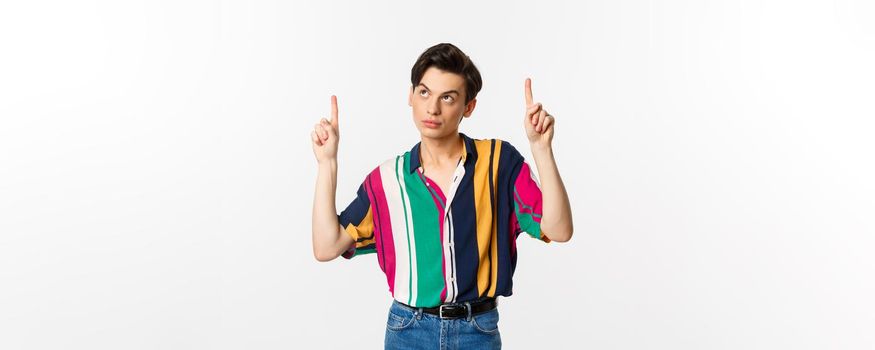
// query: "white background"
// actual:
[[156, 173]]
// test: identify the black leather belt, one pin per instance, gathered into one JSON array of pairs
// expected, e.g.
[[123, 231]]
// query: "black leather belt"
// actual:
[[459, 310]]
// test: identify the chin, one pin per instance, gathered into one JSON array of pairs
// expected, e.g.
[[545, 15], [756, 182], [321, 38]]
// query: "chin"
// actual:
[[436, 134], [429, 132]]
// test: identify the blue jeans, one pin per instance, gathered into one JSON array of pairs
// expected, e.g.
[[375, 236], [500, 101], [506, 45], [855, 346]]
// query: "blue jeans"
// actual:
[[410, 328]]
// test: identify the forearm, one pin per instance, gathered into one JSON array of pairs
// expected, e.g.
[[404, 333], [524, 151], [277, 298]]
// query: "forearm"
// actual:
[[325, 225], [556, 221]]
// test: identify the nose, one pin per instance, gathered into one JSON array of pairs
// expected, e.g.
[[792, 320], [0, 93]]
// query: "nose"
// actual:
[[434, 108]]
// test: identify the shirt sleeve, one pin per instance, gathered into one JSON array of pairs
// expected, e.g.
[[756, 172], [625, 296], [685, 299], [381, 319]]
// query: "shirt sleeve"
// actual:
[[358, 222], [527, 203]]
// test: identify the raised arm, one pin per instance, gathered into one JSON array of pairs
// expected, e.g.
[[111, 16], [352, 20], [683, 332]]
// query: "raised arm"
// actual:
[[329, 238], [556, 222]]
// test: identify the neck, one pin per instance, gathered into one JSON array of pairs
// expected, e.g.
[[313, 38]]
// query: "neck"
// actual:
[[441, 152]]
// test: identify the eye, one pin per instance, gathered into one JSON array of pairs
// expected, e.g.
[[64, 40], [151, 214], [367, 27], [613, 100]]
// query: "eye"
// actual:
[[448, 98], [423, 92]]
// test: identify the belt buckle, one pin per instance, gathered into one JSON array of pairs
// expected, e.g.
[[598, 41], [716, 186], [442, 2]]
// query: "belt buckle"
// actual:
[[441, 309]]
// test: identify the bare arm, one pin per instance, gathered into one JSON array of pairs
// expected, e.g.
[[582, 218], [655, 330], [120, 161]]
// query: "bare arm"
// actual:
[[556, 221], [329, 238]]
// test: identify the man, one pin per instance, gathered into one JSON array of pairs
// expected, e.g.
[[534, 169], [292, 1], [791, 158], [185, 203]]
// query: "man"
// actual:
[[443, 218]]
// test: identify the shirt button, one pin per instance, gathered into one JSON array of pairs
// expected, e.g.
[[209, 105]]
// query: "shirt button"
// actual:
[[452, 279]]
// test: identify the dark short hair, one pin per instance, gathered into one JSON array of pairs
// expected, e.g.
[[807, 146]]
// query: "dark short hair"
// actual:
[[447, 57]]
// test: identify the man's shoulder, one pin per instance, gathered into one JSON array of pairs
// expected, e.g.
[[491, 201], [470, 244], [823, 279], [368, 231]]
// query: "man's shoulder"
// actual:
[[390, 163], [488, 142], [504, 152], [500, 145], [509, 147]]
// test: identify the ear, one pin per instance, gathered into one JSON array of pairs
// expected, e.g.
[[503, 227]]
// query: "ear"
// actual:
[[469, 108], [410, 97]]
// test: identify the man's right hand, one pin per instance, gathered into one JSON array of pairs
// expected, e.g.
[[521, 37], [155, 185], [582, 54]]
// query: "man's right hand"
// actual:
[[326, 135]]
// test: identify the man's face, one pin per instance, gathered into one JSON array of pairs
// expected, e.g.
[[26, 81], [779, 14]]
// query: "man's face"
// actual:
[[439, 103]]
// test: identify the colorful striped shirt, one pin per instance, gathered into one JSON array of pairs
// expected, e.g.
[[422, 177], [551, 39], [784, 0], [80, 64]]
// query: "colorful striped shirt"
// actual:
[[438, 248]]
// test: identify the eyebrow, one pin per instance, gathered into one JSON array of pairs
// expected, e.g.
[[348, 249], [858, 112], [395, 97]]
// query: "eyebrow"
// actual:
[[445, 92]]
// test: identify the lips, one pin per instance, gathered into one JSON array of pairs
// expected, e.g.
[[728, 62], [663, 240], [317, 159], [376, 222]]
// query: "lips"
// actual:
[[431, 123]]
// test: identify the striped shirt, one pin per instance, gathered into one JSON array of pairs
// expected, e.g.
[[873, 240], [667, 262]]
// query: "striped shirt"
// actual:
[[439, 247]]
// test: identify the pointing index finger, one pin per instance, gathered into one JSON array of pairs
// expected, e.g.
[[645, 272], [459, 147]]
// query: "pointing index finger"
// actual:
[[528, 91], [334, 111]]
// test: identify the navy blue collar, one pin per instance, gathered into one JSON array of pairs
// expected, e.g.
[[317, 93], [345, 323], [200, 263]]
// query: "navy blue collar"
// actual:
[[470, 153]]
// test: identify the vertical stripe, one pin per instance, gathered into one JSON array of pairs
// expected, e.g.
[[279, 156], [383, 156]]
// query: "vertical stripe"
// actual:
[[426, 245], [449, 260], [494, 156], [483, 212], [465, 216], [392, 191], [383, 226], [378, 242], [408, 228], [508, 160], [447, 235], [438, 201]]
